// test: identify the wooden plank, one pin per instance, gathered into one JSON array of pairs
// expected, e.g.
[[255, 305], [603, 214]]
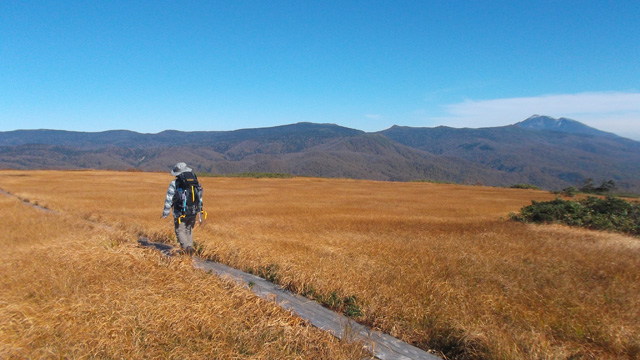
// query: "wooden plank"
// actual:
[[380, 345], [27, 202]]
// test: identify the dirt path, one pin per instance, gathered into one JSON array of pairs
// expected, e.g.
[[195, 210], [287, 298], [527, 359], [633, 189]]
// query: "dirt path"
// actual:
[[382, 346]]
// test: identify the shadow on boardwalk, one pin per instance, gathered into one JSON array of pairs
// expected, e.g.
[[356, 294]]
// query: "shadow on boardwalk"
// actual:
[[380, 345]]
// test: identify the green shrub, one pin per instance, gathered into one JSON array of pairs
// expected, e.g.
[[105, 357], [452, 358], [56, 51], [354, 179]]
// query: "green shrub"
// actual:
[[525, 186], [605, 187], [570, 191], [351, 307], [611, 214], [347, 305], [431, 181]]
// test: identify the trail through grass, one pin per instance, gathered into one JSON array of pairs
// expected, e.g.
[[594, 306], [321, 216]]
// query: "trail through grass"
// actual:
[[74, 290], [437, 265]]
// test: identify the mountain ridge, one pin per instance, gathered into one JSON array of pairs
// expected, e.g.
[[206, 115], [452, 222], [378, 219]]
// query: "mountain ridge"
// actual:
[[550, 153]]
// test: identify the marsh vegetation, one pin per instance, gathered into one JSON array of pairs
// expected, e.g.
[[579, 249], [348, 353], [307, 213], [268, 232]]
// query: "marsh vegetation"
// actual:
[[438, 265]]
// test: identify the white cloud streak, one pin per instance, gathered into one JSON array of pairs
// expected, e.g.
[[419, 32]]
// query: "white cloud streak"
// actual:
[[616, 112]]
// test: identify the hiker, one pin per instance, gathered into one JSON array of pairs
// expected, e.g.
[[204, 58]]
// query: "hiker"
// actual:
[[185, 196]]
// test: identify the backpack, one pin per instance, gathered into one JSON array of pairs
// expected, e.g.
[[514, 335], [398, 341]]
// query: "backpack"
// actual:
[[187, 200]]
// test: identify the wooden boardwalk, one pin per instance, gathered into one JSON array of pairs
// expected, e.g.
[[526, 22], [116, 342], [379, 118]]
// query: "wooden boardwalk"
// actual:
[[380, 345], [26, 202]]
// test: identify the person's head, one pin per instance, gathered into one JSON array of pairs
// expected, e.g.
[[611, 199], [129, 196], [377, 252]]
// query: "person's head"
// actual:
[[180, 168]]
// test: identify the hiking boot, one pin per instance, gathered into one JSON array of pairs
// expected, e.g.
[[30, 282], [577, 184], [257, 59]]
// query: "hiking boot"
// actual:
[[189, 251]]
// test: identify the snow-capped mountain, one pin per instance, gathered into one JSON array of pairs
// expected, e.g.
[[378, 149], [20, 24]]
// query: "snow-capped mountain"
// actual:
[[541, 122]]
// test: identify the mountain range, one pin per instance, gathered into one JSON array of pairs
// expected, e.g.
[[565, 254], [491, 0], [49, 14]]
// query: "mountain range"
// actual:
[[542, 151]]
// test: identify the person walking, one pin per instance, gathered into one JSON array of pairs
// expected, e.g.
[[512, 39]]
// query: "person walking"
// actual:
[[185, 197]]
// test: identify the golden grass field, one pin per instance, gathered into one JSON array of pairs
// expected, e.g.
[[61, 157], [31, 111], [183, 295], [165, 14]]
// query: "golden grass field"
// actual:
[[436, 265], [73, 290]]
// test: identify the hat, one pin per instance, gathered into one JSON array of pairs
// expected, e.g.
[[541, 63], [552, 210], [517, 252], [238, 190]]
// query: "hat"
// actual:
[[180, 168]]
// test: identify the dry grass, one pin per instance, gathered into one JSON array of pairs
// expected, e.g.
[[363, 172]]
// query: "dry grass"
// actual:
[[71, 290], [432, 264]]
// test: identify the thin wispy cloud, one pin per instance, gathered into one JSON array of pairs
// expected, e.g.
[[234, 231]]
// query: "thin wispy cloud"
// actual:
[[373, 116], [617, 112]]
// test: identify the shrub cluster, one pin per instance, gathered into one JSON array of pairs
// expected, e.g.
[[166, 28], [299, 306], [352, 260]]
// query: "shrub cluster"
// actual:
[[589, 188], [525, 186], [612, 214]]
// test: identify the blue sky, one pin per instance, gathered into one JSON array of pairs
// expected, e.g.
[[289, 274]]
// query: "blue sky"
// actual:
[[149, 66]]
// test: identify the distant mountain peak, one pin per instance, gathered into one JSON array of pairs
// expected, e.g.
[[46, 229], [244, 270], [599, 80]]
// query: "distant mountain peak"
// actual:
[[538, 116], [543, 122]]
